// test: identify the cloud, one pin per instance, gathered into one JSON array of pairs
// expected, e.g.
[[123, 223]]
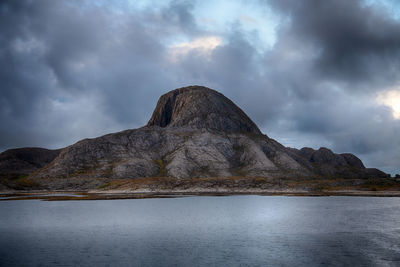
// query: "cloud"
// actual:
[[202, 45], [248, 19], [391, 99], [354, 42]]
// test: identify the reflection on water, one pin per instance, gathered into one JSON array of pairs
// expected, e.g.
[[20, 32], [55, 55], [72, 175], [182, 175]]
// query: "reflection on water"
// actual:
[[199, 231]]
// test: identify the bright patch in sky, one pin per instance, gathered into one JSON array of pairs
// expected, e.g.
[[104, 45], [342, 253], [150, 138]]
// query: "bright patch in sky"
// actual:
[[391, 99], [390, 6], [203, 45]]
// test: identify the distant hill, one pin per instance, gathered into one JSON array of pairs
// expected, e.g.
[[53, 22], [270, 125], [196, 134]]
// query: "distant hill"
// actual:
[[19, 162]]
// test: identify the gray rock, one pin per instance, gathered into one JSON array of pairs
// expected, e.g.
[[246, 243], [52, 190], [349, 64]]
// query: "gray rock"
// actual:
[[200, 107]]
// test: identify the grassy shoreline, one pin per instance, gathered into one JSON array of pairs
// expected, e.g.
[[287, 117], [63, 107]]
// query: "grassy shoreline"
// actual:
[[119, 194]]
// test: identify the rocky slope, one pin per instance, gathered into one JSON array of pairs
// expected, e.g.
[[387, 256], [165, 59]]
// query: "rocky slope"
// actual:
[[195, 132]]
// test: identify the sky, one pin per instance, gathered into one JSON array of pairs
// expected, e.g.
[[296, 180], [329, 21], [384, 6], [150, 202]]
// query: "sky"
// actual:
[[308, 73]]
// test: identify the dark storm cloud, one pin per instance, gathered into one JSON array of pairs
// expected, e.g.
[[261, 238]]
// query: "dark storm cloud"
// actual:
[[24, 78], [179, 12], [354, 41], [59, 61]]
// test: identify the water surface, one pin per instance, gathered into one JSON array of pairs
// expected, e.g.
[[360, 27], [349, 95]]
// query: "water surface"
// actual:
[[202, 231]]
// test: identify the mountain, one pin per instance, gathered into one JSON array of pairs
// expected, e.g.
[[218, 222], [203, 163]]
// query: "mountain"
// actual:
[[194, 132]]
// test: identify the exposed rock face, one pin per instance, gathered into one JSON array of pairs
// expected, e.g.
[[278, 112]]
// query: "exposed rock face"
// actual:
[[200, 107], [195, 132], [19, 162], [176, 152]]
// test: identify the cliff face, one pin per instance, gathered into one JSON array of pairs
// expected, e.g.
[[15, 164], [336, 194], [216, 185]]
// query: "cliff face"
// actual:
[[197, 132], [201, 108]]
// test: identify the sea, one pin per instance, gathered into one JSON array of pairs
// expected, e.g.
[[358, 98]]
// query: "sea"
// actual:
[[245, 230]]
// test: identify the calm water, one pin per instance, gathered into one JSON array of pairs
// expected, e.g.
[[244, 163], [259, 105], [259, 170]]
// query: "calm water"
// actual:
[[202, 231]]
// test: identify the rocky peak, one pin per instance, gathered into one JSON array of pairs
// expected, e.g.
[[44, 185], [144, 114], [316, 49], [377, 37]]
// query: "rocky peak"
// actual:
[[200, 107]]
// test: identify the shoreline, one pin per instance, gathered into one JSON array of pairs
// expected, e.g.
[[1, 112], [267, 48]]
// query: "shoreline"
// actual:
[[64, 195]]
